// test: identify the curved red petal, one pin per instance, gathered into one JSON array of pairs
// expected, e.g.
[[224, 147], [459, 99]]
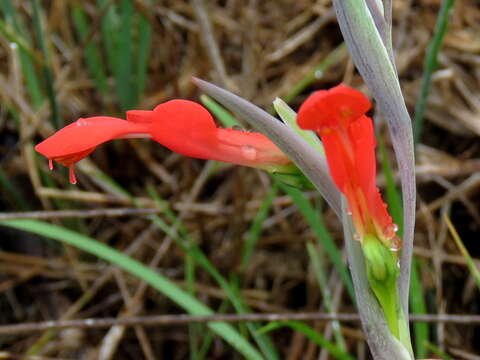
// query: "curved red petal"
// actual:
[[339, 162], [326, 108], [77, 140], [362, 138], [185, 127]]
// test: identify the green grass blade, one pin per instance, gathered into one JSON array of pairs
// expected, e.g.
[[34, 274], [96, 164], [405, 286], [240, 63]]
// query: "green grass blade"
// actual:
[[256, 227], [223, 115], [143, 55], [153, 278], [208, 339], [311, 334], [430, 64], [14, 36], [183, 239], [319, 270], [47, 73], [124, 54], [437, 351], [315, 221], [193, 329], [201, 259], [92, 54], [116, 39], [26, 54], [14, 29], [418, 306], [463, 250]]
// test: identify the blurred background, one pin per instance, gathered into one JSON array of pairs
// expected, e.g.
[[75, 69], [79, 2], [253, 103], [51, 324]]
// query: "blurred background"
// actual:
[[267, 246]]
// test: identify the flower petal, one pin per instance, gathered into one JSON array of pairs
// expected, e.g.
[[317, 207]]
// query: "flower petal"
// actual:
[[249, 149], [80, 138], [329, 107], [184, 127]]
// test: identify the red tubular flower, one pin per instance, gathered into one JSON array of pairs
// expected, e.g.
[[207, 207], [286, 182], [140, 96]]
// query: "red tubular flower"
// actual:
[[180, 125], [338, 116]]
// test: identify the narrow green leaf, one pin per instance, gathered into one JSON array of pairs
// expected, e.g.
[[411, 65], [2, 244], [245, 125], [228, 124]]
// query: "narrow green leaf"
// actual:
[[256, 227], [47, 72], [124, 53], [463, 250], [430, 65], [182, 239], [320, 274], [27, 57], [153, 278], [92, 54], [418, 305], [143, 51], [437, 351], [225, 117]]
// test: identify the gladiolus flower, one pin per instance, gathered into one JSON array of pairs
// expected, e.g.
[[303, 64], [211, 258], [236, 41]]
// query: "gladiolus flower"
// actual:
[[338, 117], [182, 126]]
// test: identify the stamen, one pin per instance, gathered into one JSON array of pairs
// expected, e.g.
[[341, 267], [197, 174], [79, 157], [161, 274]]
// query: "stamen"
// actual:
[[71, 173], [50, 164]]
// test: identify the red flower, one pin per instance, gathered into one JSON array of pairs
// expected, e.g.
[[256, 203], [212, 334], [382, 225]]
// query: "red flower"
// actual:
[[338, 116], [180, 125]]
